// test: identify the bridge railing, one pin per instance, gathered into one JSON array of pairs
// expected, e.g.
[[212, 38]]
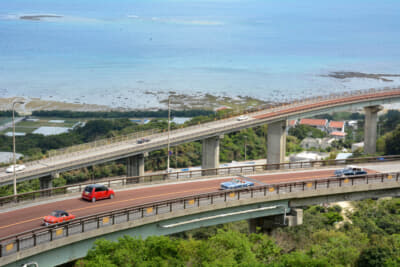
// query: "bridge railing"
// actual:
[[12, 244], [190, 174], [100, 143], [72, 151], [314, 99]]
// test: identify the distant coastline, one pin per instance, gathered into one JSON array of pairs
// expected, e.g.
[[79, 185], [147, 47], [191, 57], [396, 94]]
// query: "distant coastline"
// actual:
[[178, 102], [351, 74], [38, 17]]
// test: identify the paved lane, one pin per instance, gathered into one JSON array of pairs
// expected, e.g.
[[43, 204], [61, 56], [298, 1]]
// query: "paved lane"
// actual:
[[20, 220]]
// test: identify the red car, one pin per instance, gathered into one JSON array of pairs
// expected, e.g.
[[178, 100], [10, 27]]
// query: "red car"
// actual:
[[57, 216], [95, 192]]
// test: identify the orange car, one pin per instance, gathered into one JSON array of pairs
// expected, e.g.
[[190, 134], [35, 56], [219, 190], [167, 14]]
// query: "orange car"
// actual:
[[57, 216]]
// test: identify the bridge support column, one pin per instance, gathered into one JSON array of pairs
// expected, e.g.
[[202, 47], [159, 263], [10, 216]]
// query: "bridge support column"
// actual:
[[135, 165], [295, 218], [371, 119], [267, 224], [210, 154], [276, 142], [46, 182]]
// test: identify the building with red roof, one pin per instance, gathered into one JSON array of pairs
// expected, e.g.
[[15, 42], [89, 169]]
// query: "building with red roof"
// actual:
[[336, 126], [317, 123], [222, 108], [338, 135], [292, 123]]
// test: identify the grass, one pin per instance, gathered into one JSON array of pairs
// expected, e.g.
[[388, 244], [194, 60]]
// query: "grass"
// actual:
[[4, 120], [30, 126]]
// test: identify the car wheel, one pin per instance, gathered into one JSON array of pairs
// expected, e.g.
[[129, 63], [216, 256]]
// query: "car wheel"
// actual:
[[94, 199], [111, 196]]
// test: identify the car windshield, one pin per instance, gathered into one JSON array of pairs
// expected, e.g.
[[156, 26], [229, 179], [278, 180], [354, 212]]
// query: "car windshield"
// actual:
[[56, 213]]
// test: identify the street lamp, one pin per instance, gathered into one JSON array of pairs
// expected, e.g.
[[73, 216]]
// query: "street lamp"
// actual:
[[14, 159], [245, 147], [169, 126]]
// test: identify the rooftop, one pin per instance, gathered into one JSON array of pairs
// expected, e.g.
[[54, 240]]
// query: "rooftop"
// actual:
[[336, 124], [338, 133], [314, 122]]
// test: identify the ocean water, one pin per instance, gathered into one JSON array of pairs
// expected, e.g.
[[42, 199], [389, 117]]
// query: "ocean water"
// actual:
[[131, 53]]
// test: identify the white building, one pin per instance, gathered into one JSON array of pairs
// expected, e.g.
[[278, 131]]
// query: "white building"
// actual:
[[357, 146], [317, 143], [308, 156]]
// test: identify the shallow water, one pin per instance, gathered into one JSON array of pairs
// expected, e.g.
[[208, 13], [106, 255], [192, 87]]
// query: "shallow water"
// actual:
[[132, 53]]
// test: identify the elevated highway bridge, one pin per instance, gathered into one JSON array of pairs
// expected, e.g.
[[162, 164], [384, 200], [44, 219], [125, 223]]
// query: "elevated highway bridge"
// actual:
[[210, 133], [175, 207]]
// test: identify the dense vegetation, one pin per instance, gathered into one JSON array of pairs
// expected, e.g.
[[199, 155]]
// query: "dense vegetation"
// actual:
[[6, 113], [303, 131], [370, 236]]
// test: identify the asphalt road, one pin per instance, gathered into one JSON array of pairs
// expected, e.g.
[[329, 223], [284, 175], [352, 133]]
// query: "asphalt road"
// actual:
[[17, 221]]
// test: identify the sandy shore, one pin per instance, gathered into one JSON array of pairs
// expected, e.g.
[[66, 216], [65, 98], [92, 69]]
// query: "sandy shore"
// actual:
[[33, 104]]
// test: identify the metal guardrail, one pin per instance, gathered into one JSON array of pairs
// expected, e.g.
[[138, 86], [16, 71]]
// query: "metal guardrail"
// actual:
[[235, 170], [102, 142], [12, 244]]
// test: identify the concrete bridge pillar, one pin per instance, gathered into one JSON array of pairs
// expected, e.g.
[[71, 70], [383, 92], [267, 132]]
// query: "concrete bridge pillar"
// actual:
[[210, 153], [135, 165], [267, 224], [371, 119], [276, 142], [46, 182], [295, 218]]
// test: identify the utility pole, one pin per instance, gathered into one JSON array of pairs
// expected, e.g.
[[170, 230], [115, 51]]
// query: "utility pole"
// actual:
[[14, 158], [245, 147], [169, 126], [176, 157]]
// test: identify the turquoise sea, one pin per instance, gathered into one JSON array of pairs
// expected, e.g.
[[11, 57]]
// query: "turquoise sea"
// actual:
[[131, 53]]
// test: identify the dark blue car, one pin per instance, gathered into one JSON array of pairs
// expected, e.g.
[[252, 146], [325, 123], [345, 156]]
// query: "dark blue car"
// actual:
[[350, 170]]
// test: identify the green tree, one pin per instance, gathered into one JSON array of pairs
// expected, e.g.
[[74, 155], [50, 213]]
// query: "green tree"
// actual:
[[337, 247], [392, 142], [299, 258], [302, 131], [228, 248], [264, 248], [382, 251]]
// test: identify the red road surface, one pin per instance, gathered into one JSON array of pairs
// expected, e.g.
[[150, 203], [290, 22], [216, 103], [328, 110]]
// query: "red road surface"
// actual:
[[24, 219]]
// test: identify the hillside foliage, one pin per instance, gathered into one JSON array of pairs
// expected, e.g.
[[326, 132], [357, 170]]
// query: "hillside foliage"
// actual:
[[371, 237]]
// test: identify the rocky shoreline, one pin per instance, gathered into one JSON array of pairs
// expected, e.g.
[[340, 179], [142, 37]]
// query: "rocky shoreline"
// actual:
[[178, 102], [39, 17], [350, 74]]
